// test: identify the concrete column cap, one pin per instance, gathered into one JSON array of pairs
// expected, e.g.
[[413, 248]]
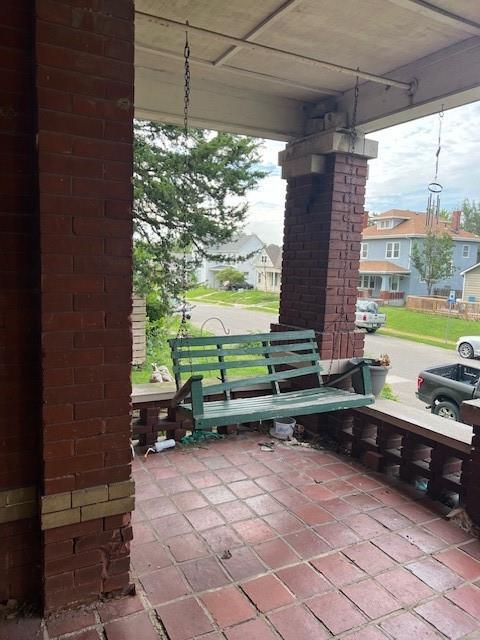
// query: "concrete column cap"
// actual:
[[318, 144]]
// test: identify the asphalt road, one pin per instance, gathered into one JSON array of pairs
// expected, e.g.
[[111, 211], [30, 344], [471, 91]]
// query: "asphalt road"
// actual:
[[408, 358]]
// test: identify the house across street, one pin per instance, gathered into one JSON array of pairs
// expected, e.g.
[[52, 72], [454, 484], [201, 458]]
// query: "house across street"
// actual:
[[386, 271]]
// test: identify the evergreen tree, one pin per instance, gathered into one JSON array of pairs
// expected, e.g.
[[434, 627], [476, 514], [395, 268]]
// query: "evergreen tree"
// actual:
[[188, 195]]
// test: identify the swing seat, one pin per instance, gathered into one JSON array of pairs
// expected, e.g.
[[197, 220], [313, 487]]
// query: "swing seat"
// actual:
[[275, 358]]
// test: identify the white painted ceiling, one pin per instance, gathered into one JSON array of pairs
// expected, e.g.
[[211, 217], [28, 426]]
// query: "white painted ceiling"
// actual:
[[377, 36]]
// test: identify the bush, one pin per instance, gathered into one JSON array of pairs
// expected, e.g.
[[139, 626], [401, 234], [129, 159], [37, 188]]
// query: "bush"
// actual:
[[232, 276]]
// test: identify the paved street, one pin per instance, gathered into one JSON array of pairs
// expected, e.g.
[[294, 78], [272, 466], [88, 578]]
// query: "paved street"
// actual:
[[408, 358]]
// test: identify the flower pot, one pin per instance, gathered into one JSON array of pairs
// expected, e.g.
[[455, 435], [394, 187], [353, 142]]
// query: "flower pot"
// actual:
[[378, 374]]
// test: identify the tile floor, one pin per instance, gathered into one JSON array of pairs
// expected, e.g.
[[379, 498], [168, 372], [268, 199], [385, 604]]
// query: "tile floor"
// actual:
[[232, 543]]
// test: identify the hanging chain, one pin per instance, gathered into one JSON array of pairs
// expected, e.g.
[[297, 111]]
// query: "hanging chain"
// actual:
[[183, 328], [186, 83], [439, 147], [353, 127], [435, 188]]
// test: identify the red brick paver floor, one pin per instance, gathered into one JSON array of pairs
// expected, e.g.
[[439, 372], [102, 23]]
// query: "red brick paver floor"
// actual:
[[232, 543]]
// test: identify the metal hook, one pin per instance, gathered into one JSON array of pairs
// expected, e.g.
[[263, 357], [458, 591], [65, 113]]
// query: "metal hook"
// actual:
[[225, 330]]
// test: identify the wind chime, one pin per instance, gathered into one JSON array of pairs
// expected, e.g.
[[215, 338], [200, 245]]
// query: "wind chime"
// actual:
[[435, 188]]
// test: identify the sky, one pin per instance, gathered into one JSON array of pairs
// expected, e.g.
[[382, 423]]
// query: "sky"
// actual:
[[399, 177]]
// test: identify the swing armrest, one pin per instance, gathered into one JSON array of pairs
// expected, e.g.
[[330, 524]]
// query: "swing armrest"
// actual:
[[193, 387]]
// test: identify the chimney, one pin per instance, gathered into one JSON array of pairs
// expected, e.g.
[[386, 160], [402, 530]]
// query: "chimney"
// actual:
[[455, 223]]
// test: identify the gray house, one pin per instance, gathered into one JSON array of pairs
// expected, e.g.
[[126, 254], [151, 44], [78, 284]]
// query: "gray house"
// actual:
[[386, 271], [242, 254]]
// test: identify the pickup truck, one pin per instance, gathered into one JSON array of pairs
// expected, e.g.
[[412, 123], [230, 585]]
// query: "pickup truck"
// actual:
[[444, 388], [367, 316]]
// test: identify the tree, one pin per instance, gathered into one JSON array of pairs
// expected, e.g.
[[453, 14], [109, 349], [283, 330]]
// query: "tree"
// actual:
[[433, 258], [232, 276], [471, 216], [188, 195]]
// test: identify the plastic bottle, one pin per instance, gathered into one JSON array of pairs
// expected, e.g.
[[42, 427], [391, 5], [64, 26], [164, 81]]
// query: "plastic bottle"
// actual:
[[160, 446]]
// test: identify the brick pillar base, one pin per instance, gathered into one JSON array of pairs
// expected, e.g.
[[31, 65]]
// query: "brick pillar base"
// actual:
[[321, 251]]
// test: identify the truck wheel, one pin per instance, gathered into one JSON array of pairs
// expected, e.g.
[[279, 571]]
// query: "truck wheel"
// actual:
[[465, 350], [447, 410], [371, 330]]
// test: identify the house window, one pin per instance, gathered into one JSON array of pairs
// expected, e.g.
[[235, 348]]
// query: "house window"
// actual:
[[393, 250], [466, 251], [394, 283], [277, 279], [263, 259], [386, 224], [367, 282], [364, 250], [259, 277]]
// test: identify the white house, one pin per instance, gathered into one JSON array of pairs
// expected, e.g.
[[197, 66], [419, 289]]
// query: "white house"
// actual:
[[237, 252], [471, 284], [269, 268]]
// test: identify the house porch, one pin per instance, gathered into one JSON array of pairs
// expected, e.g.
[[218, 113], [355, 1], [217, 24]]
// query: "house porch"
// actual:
[[234, 543], [68, 98]]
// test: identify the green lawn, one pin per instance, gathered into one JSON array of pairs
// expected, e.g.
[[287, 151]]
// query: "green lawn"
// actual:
[[428, 328], [252, 299]]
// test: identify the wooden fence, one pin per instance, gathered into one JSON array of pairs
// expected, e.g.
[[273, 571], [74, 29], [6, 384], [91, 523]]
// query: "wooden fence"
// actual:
[[139, 315], [434, 304]]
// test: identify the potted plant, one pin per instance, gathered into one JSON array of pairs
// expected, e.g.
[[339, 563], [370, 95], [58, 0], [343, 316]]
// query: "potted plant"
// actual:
[[379, 369]]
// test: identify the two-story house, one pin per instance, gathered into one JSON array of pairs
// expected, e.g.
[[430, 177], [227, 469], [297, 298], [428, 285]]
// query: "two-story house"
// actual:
[[242, 254], [386, 269], [269, 268]]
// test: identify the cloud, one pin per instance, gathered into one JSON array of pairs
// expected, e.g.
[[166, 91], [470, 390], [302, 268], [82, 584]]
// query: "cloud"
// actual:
[[398, 178]]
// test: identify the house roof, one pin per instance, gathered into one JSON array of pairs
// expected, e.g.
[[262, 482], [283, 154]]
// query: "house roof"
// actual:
[[414, 223], [380, 266], [475, 266], [274, 252], [236, 245]]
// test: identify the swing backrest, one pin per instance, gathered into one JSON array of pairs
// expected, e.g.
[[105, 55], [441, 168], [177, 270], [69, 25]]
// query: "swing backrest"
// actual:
[[230, 362]]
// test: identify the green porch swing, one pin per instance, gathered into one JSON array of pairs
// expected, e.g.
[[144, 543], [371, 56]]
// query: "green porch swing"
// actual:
[[280, 372]]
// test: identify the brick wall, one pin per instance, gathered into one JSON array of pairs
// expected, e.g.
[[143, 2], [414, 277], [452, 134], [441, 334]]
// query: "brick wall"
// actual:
[[321, 251], [84, 84], [470, 412], [19, 304]]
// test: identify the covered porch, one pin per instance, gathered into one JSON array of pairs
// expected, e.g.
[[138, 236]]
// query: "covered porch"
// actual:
[[384, 281], [67, 496]]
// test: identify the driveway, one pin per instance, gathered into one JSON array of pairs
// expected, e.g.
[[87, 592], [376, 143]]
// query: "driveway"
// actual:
[[408, 358]]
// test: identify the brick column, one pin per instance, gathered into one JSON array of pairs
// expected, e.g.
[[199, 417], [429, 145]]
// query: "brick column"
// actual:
[[19, 311], [322, 233], [66, 159], [84, 84]]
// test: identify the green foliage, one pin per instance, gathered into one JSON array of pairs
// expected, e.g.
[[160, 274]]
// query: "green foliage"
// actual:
[[388, 393], [433, 258], [188, 195], [471, 216], [231, 275]]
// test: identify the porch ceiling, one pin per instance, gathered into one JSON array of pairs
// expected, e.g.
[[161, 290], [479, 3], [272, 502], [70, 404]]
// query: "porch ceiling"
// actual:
[[255, 90]]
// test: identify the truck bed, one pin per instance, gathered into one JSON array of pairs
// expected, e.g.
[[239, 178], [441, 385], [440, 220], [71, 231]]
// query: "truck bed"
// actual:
[[457, 372]]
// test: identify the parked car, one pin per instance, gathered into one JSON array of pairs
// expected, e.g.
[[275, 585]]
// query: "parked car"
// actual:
[[444, 388], [469, 346], [367, 316]]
